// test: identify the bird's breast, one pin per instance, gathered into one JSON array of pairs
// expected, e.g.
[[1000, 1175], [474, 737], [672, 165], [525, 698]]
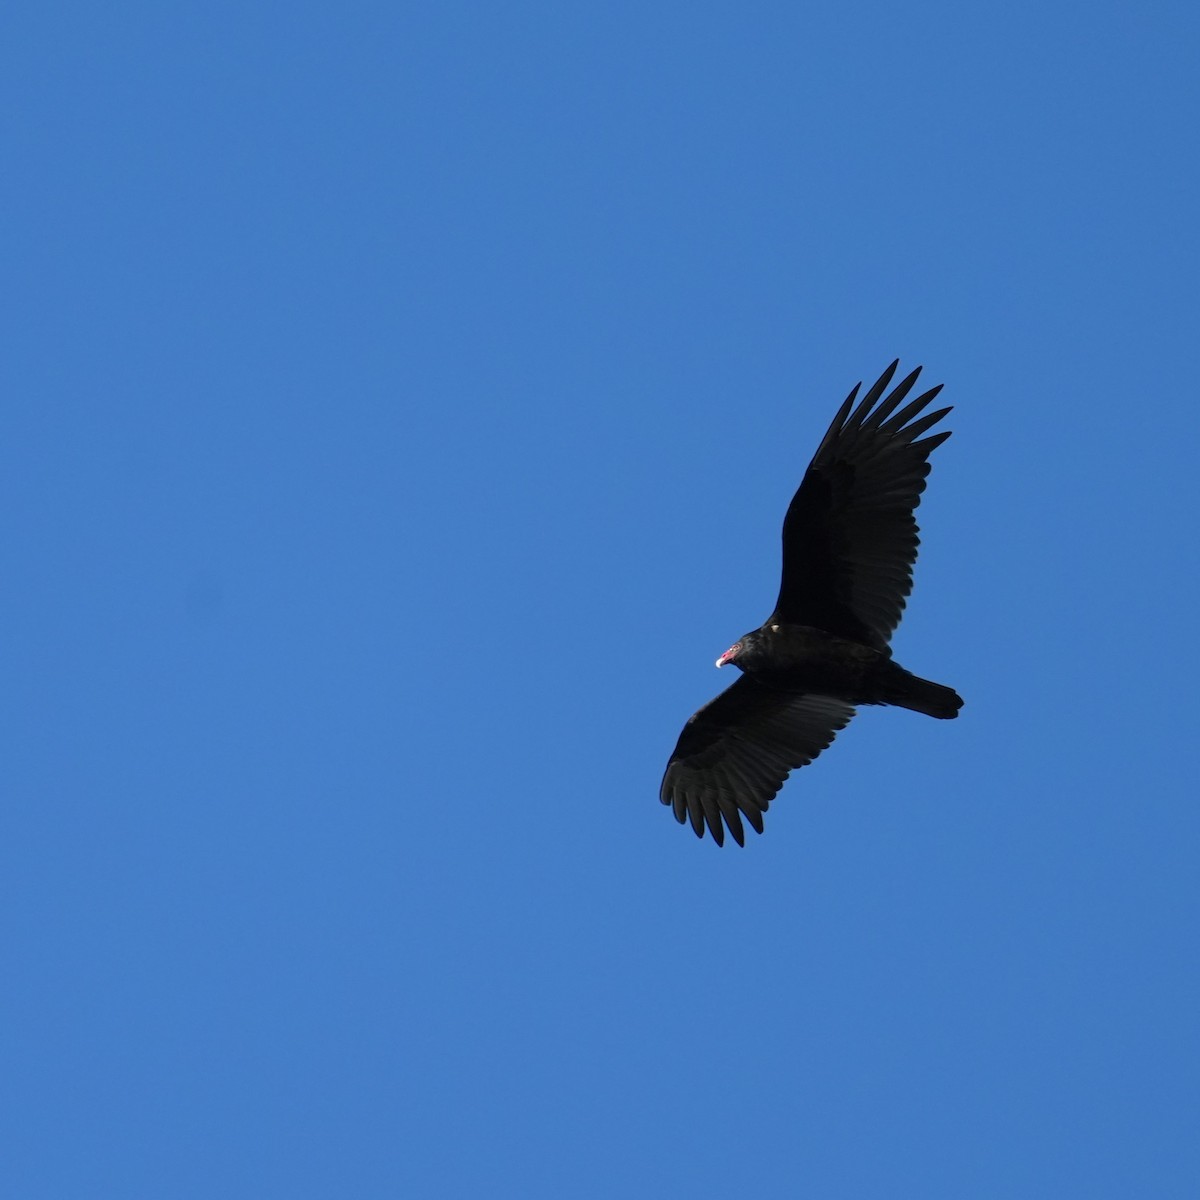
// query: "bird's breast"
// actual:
[[808, 659]]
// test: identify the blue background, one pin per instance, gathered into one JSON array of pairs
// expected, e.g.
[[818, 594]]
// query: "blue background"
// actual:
[[400, 405]]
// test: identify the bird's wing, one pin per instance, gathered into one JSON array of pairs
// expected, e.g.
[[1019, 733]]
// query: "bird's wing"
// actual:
[[734, 754], [849, 537]]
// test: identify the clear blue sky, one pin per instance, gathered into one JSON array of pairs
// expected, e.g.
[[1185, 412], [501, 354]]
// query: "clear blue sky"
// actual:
[[400, 405]]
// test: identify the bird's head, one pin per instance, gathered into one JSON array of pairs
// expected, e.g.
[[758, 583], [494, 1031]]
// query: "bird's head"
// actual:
[[744, 649]]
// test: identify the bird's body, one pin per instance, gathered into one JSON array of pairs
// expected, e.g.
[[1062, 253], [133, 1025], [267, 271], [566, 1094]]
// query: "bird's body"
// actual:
[[849, 542], [806, 659], [799, 658]]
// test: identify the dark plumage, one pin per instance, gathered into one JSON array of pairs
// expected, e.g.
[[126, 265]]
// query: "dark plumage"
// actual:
[[849, 544]]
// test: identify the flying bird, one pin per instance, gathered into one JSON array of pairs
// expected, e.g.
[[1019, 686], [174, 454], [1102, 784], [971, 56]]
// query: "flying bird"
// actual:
[[849, 544]]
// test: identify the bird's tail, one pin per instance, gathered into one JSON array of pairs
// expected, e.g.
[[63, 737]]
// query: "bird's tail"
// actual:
[[921, 695]]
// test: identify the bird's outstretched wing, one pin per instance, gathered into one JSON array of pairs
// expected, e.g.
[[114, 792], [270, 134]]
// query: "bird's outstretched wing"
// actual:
[[734, 754], [849, 537]]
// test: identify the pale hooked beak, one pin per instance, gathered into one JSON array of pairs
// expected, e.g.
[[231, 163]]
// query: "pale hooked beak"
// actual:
[[728, 656]]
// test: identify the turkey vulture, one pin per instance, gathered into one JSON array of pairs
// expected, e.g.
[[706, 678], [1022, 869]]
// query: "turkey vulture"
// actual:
[[849, 543]]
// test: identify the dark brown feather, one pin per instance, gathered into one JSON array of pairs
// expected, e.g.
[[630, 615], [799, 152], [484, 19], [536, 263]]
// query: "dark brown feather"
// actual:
[[850, 537], [734, 754]]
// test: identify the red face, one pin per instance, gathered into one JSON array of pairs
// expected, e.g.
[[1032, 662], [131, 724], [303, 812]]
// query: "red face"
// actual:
[[729, 654]]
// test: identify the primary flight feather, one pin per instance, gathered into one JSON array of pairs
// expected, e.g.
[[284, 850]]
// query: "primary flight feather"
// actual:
[[849, 544]]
